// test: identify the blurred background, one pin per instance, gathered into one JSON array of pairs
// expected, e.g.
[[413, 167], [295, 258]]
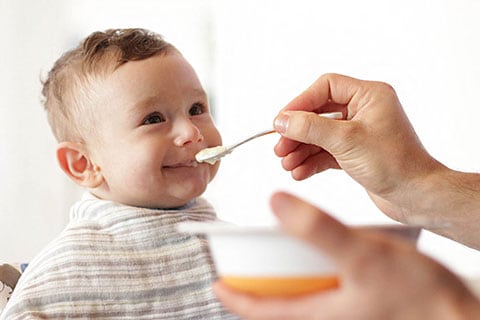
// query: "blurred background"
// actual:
[[252, 57]]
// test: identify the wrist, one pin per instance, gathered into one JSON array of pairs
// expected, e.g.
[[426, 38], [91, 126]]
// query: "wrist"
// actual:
[[447, 202]]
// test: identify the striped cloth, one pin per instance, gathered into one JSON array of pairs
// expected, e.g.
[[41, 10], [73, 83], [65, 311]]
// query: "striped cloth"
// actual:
[[119, 262]]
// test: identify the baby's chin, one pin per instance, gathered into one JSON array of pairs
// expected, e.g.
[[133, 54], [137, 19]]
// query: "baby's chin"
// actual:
[[176, 201], [176, 195]]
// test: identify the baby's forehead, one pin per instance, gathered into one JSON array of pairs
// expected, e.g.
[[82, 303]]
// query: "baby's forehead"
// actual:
[[144, 82], [111, 66]]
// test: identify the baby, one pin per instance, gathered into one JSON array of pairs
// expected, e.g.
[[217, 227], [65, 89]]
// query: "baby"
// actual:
[[8, 279], [129, 114]]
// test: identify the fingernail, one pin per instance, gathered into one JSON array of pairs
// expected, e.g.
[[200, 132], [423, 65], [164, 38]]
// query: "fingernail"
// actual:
[[281, 123]]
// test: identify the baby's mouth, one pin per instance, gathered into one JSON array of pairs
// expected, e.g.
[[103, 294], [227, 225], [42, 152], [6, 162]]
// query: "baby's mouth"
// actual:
[[184, 164]]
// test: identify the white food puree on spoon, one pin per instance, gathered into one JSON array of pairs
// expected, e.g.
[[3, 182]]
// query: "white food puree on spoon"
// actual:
[[208, 155]]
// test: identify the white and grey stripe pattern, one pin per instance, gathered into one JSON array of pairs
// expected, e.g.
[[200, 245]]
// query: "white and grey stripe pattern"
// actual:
[[119, 262]]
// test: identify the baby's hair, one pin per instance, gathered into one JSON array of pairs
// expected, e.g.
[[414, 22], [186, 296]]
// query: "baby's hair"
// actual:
[[67, 89]]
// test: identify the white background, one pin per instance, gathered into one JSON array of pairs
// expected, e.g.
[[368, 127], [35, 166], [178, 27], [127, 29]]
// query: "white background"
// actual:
[[252, 57]]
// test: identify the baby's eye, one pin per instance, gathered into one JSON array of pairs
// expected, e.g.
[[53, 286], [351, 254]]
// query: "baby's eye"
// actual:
[[154, 118], [196, 109]]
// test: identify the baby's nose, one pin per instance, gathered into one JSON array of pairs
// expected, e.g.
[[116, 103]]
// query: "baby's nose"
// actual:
[[187, 132]]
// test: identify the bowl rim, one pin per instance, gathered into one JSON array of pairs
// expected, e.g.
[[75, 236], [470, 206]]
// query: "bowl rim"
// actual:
[[219, 227], [222, 228]]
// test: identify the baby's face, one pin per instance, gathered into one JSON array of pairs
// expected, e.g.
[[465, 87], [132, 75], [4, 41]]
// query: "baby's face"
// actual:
[[152, 117]]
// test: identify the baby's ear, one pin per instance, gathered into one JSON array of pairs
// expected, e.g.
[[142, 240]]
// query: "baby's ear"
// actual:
[[75, 162]]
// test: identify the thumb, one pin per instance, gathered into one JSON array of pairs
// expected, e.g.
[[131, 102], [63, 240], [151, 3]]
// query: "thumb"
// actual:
[[309, 128], [308, 223]]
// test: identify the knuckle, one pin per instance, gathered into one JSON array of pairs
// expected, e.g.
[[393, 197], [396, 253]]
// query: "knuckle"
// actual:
[[329, 76], [326, 76], [385, 88], [301, 127], [309, 127]]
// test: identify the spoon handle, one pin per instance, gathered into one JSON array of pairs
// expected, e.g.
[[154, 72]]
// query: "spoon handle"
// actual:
[[330, 115], [251, 138]]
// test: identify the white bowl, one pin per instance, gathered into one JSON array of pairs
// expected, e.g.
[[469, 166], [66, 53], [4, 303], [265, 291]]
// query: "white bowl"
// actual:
[[268, 262]]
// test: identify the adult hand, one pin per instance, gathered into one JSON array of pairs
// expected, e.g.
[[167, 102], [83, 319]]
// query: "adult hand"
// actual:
[[381, 277], [378, 147]]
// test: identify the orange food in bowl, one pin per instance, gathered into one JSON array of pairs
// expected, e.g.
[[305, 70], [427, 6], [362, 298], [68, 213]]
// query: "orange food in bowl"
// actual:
[[280, 286]]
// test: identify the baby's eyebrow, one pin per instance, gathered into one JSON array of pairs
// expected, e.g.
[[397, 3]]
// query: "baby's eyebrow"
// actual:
[[199, 92], [149, 102], [143, 104]]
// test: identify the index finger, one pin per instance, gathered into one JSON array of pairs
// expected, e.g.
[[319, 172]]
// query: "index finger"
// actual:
[[284, 146], [329, 88]]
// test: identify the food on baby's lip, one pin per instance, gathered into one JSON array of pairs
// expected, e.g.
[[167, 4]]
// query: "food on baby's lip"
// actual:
[[265, 261], [209, 155]]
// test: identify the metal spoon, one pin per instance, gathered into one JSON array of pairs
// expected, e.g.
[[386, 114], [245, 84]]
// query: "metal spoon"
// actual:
[[212, 155]]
